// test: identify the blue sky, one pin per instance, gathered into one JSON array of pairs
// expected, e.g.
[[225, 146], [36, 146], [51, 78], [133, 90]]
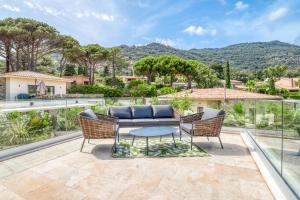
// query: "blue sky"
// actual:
[[182, 24]]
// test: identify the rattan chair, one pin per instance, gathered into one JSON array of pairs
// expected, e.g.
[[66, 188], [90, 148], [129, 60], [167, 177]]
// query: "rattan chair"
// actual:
[[103, 126], [194, 125]]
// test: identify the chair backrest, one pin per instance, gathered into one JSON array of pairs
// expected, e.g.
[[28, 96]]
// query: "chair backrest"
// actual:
[[211, 113], [89, 114]]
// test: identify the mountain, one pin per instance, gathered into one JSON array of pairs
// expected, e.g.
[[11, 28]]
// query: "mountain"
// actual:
[[250, 56]]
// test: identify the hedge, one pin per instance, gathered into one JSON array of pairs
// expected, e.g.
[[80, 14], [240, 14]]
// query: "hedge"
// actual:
[[96, 89]]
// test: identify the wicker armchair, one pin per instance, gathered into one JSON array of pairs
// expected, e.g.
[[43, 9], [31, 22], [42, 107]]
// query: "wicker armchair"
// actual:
[[98, 126], [195, 125]]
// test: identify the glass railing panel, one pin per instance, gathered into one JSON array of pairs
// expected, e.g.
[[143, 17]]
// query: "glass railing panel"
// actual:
[[235, 113], [268, 132], [291, 145]]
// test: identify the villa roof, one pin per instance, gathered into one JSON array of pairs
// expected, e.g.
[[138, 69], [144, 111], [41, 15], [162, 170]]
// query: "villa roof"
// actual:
[[76, 78], [32, 75], [218, 94], [287, 83]]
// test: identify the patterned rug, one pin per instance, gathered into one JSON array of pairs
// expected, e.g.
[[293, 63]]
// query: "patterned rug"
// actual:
[[157, 148]]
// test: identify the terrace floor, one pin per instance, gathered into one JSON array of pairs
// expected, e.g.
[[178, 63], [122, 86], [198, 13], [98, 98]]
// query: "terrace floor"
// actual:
[[62, 172]]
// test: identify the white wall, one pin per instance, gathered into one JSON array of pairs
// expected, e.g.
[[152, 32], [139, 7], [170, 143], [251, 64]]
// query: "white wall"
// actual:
[[15, 86]]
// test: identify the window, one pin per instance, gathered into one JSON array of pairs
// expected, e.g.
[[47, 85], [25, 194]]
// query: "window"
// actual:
[[32, 89], [50, 90]]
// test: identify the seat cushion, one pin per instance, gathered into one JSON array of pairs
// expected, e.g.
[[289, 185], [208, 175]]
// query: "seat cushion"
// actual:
[[138, 122], [211, 113], [121, 112], [187, 127], [162, 111], [168, 121], [139, 112], [89, 113]]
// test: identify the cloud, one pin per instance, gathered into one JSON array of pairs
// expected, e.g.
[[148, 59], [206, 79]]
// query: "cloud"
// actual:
[[45, 9], [10, 8], [199, 30], [240, 6], [277, 14], [100, 16], [167, 41], [195, 30]]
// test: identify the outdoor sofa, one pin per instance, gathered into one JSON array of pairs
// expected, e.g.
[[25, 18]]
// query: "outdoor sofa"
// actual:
[[146, 115]]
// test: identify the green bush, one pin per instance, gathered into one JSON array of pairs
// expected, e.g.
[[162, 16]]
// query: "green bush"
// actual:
[[181, 105], [167, 90], [143, 90], [134, 83], [114, 82], [96, 89]]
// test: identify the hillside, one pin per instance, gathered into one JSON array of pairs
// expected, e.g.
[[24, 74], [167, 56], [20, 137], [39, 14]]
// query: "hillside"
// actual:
[[243, 56]]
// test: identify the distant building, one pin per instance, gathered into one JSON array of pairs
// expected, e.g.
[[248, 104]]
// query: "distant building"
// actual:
[[215, 96], [290, 84], [77, 80], [14, 83], [126, 79]]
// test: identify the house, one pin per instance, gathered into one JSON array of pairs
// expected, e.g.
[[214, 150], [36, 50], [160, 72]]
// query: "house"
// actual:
[[127, 79], [14, 83], [290, 84], [215, 96], [77, 80]]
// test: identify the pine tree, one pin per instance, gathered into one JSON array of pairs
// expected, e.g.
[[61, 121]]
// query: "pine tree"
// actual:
[[69, 70], [227, 75]]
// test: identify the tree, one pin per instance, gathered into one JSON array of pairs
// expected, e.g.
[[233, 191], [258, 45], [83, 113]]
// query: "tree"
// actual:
[[70, 70], [24, 41], [82, 70], [250, 84], [91, 56], [272, 73], [146, 67], [65, 44], [167, 65], [227, 75], [205, 77], [188, 69], [218, 68]]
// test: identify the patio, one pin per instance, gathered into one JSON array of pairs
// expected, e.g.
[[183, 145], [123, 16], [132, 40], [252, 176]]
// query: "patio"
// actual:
[[62, 172]]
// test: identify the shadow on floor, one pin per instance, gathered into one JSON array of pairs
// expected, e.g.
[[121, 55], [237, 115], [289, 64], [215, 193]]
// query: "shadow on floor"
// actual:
[[214, 148]]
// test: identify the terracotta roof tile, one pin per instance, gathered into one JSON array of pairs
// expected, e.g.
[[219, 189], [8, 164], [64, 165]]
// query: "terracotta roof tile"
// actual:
[[287, 83], [33, 75], [218, 94]]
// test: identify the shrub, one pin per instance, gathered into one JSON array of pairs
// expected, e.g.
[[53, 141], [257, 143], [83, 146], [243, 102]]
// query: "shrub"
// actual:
[[134, 83], [110, 81], [181, 104], [167, 90], [96, 89], [143, 90]]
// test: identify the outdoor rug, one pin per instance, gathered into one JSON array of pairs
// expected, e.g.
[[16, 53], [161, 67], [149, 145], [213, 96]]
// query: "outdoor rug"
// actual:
[[157, 148]]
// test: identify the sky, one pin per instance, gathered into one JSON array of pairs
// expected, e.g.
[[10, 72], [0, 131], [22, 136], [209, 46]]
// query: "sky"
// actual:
[[183, 24]]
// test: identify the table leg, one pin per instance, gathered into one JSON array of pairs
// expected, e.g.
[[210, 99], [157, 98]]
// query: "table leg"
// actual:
[[174, 139], [147, 146], [133, 140]]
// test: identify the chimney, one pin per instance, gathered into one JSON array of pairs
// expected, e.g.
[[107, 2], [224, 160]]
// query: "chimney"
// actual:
[[292, 81]]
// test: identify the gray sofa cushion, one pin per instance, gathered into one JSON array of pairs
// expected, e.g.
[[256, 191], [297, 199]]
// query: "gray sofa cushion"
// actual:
[[121, 112], [141, 112], [89, 113], [186, 127], [162, 111], [168, 121], [211, 113], [149, 122]]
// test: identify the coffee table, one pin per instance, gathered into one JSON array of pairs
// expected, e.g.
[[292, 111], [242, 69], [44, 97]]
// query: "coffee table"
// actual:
[[153, 131]]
